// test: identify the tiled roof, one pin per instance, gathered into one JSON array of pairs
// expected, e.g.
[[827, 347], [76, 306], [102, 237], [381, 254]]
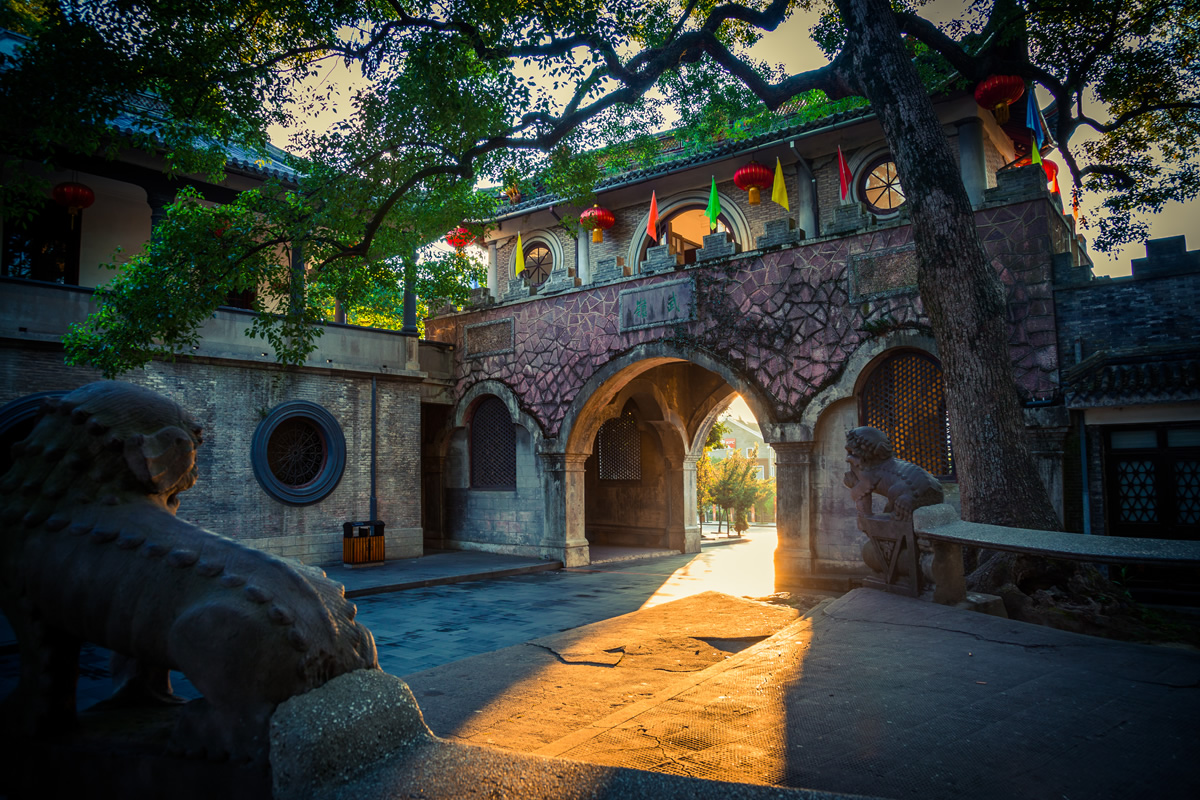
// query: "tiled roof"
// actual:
[[785, 128], [1135, 376]]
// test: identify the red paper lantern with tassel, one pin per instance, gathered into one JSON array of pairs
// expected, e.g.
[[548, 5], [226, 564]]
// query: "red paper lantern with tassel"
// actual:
[[74, 196], [998, 92], [459, 238], [753, 177], [1051, 169], [598, 220]]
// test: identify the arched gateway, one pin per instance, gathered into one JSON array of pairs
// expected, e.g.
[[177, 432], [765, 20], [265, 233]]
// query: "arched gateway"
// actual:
[[599, 384]]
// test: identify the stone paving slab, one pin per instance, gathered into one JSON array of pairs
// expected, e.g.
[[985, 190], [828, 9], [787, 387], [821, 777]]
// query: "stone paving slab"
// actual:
[[880, 695], [434, 569]]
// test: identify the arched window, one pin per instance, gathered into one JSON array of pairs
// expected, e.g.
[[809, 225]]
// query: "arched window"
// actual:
[[685, 229], [879, 186], [539, 261], [619, 449], [493, 446], [904, 397]]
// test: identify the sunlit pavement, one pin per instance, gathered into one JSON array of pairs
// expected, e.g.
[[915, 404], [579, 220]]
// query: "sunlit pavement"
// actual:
[[423, 628]]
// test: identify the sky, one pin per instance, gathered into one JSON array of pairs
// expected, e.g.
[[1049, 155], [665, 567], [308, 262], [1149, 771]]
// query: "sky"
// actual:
[[792, 46]]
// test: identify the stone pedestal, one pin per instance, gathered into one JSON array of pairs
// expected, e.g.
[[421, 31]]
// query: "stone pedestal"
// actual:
[[849, 217], [660, 259], [517, 289], [717, 245], [481, 296], [610, 269], [779, 232]]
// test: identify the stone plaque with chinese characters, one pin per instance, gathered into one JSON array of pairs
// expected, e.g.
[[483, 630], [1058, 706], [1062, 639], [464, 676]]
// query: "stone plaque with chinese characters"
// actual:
[[883, 272], [489, 338], [660, 304]]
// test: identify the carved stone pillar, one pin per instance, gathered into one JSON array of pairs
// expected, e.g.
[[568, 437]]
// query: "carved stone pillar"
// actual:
[[493, 271], [562, 480], [683, 525], [793, 520], [972, 163]]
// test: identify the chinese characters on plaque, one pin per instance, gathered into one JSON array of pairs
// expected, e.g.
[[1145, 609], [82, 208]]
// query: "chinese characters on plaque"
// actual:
[[660, 304]]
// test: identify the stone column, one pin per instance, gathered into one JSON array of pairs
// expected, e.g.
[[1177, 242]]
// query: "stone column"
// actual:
[[562, 482], [793, 522], [583, 257], [972, 163], [683, 525], [493, 271], [158, 197], [806, 192]]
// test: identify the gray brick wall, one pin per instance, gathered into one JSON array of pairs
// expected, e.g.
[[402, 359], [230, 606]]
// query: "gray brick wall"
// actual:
[[229, 400]]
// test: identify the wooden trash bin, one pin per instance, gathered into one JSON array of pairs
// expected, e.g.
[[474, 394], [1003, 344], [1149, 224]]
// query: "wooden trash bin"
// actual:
[[362, 543]]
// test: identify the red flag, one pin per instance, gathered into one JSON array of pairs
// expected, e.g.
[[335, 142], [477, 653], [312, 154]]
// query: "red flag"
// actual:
[[652, 224], [844, 175]]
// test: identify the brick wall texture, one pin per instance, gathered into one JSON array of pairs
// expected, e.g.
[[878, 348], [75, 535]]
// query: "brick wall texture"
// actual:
[[229, 400]]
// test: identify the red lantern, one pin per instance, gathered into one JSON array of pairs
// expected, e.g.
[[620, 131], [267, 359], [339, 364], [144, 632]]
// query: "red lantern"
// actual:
[[753, 177], [598, 220], [75, 196], [1051, 170], [998, 92], [459, 238]]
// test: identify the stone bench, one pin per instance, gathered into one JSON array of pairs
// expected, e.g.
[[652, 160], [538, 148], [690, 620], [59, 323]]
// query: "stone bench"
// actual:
[[938, 529]]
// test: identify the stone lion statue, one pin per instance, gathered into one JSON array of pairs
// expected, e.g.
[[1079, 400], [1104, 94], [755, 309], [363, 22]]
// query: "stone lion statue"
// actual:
[[91, 550], [875, 470]]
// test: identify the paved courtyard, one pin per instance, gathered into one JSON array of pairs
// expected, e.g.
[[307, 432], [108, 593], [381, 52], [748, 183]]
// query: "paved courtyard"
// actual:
[[418, 629]]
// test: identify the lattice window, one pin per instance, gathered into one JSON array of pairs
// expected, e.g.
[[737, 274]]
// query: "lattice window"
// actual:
[[619, 449], [539, 261], [493, 446], [1136, 501], [879, 186], [296, 452], [1187, 492], [904, 398]]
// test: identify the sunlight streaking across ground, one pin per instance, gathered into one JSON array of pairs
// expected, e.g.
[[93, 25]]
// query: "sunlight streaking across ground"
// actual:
[[745, 569]]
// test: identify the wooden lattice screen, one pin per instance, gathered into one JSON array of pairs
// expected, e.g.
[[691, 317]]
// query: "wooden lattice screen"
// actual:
[[619, 450], [493, 446], [904, 398]]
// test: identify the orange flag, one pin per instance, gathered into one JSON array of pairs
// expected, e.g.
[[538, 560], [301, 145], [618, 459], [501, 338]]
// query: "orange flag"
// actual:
[[844, 175], [652, 223]]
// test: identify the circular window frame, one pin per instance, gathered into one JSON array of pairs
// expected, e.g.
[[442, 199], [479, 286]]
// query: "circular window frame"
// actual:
[[331, 470], [529, 248], [865, 175]]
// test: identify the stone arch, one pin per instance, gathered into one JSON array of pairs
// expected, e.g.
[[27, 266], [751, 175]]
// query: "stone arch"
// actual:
[[857, 365], [729, 208], [583, 415]]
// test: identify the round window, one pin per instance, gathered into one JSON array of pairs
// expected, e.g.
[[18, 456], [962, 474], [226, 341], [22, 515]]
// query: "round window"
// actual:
[[298, 453], [538, 263], [879, 186]]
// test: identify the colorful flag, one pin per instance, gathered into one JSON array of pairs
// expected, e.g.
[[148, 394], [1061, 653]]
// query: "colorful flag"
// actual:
[[779, 188], [714, 206], [520, 255], [844, 175], [1034, 124], [652, 223]]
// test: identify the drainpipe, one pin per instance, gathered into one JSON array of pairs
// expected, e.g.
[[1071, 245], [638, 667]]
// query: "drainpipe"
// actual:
[[374, 501]]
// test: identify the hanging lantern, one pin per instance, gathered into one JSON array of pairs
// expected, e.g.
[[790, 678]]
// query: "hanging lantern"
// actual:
[[74, 196], [753, 177], [1051, 169], [598, 220], [998, 92], [459, 238]]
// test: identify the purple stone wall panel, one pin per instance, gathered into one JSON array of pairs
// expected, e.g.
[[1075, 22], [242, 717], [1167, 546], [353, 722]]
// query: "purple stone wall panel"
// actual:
[[784, 320]]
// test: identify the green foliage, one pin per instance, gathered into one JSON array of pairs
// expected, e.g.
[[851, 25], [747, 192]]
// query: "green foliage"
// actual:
[[735, 488], [550, 96]]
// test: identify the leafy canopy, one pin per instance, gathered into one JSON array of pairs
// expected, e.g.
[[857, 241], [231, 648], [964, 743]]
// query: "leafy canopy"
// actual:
[[463, 93]]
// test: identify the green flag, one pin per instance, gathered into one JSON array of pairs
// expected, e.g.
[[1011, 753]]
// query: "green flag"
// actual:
[[714, 206]]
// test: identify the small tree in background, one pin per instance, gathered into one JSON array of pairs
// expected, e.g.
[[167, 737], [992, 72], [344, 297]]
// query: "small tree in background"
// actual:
[[737, 490], [705, 474]]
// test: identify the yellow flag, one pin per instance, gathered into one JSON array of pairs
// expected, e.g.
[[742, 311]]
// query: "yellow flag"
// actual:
[[520, 255], [779, 189]]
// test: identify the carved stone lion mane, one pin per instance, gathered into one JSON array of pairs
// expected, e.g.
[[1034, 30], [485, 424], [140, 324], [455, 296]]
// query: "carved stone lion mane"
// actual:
[[874, 470]]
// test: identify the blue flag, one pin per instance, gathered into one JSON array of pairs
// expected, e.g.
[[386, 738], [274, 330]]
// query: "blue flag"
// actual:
[[1031, 117]]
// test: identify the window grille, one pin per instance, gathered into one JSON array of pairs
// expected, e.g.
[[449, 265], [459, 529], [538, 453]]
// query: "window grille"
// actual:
[[619, 450], [904, 398], [493, 446]]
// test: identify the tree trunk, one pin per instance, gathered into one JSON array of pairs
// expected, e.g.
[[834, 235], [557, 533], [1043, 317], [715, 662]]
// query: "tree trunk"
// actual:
[[961, 291]]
